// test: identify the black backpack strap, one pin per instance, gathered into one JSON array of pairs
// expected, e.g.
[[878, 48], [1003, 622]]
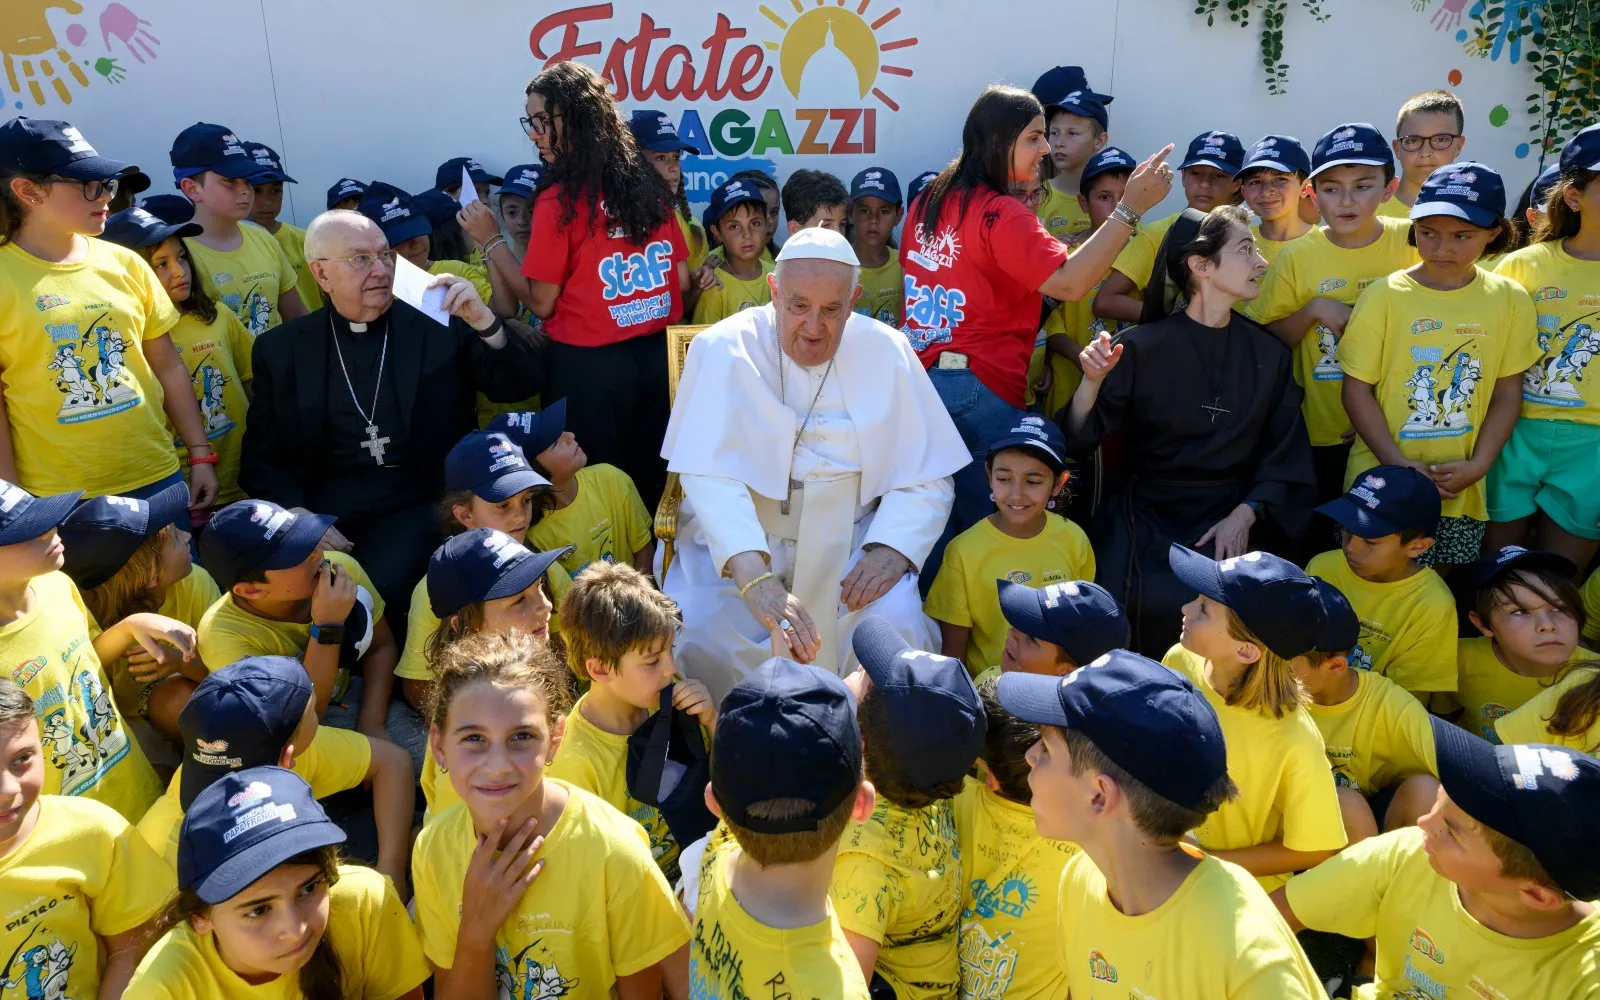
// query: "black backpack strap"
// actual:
[[1157, 305]]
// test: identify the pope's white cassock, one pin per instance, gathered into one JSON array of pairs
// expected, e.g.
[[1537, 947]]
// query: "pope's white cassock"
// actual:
[[872, 465]]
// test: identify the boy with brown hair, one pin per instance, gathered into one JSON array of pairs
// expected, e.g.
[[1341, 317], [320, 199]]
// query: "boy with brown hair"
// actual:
[[763, 886], [1427, 135], [618, 631]]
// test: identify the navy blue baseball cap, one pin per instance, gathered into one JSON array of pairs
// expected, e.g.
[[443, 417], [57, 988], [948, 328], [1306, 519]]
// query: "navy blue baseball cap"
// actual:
[[919, 182], [876, 182], [1146, 719], [250, 536], [245, 824], [271, 165], [173, 209], [491, 465], [1085, 104], [24, 517], [1108, 160], [1038, 436], [436, 206], [933, 710], [1546, 798], [483, 565], [206, 147], [55, 148], [1056, 83], [738, 191], [395, 212], [1278, 152], [655, 131], [523, 179], [1543, 185], [795, 713], [1386, 500], [449, 173], [1272, 596], [1220, 150], [242, 715], [1481, 572], [1351, 144], [344, 189], [139, 227], [1463, 190], [102, 534], [1342, 629], [1582, 151], [1080, 617], [532, 430]]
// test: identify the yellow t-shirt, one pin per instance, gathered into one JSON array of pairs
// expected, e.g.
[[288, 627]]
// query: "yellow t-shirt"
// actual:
[[83, 404], [1218, 929], [599, 910], [479, 276], [597, 762], [88, 750], [1394, 208], [1138, 257], [897, 881], [1062, 215], [965, 592], [735, 294], [883, 292], [421, 624], [1434, 358], [186, 601], [1078, 321], [1566, 296], [293, 241], [1376, 738], [1314, 267], [228, 633], [1408, 628], [1286, 789], [734, 956], [1009, 902], [83, 874], [694, 236], [1269, 248], [248, 280], [1591, 607], [1531, 722], [1488, 690], [376, 947], [1428, 944], [336, 760], [217, 355], [606, 521]]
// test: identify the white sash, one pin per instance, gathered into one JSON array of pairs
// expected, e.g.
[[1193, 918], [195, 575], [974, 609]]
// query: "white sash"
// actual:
[[822, 523]]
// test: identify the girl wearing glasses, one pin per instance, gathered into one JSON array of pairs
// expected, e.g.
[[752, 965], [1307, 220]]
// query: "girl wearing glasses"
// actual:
[[90, 376]]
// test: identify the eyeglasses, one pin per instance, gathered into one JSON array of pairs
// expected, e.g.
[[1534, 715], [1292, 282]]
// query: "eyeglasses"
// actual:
[[539, 124], [361, 263], [92, 190], [1442, 141]]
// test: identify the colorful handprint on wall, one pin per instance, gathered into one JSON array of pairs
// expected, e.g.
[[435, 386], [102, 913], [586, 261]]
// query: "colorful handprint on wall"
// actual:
[[38, 66]]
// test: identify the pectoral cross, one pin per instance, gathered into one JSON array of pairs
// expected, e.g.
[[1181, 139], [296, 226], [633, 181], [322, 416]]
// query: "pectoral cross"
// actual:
[[374, 443], [794, 484], [1215, 409]]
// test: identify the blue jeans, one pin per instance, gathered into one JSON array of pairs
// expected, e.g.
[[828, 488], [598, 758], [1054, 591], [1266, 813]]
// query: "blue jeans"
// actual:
[[981, 417]]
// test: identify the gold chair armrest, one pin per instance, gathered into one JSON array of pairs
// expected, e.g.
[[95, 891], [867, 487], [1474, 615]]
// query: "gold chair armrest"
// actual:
[[666, 521]]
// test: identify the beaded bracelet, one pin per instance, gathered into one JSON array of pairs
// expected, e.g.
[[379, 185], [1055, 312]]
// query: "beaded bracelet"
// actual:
[[746, 588]]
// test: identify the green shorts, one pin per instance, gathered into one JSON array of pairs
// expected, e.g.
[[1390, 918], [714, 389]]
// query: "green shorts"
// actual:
[[1553, 466]]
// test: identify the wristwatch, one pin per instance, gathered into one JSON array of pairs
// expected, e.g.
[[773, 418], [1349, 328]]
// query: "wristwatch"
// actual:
[[327, 635]]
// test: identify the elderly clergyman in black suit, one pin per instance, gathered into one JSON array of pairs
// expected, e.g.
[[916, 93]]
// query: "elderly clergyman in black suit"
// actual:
[[355, 405]]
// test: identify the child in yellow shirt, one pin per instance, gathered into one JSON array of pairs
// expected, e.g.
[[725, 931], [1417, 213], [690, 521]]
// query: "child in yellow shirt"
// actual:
[[1021, 542], [762, 886], [875, 209], [1427, 135], [267, 187], [737, 220], [619, 632], [1254, 618], [1487, 897], [1407, 613], [601, 915], [1057, 628], [264, 905], [897, 882], [1424, 344], [81, 887], [1076, 124], [1271, 180], [1130, 757], [1567, 713]]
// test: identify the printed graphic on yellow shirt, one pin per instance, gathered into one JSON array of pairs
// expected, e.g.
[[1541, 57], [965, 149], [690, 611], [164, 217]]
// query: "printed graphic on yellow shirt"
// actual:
[[1554, 380], [989, 962], [252, 306], [531, 974], [89, 369], [41, 964], [1441, 385], [78, 751]]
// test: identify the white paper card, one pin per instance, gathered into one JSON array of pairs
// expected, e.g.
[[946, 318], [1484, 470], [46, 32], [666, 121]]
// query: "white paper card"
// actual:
[[411, 287], [469, 191]]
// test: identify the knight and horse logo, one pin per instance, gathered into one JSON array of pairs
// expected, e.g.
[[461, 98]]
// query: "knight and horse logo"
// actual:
[[90, 372]]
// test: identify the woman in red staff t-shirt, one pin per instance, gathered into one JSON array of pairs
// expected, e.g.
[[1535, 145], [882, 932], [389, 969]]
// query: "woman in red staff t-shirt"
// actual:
[[978, 264], [606, 271]]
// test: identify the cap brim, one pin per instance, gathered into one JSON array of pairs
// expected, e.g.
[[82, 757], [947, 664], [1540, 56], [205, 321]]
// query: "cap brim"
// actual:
[[1033, 698], [1277, 165], [1197, 571], [42, 514], [98, 168], [1480, 217], [506, 486], [136, 182], [1351, 162], [1356, 519], [233, 168], [167, 506], [1029, 443], [1021, 607], [552, 424], [520, 190], [1214, 164], [524, 573], [1476, 574], [876, 644], [272, 176], [302, 538], [236, 874], [405, 229], [671, 146], [1469, 770]]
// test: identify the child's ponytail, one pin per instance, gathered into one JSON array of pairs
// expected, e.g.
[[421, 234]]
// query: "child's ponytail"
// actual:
[[1578, 708], [11, 210], [129, 591], [1267, 685]]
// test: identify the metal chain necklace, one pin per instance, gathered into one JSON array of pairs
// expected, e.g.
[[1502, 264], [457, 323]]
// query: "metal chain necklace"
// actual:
[[783, 398], [374, 444]]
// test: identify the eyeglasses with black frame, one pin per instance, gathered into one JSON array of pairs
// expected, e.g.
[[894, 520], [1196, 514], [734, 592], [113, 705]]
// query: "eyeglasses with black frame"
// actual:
[[537, 124], [1440, 141], [92, 190]]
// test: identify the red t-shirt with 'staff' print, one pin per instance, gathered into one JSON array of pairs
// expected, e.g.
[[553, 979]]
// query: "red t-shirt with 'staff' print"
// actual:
[[612, 289], [972, 287]]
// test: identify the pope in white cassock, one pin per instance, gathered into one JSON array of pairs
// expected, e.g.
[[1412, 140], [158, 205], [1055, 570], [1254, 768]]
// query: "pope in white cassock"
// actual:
[[815, 459]]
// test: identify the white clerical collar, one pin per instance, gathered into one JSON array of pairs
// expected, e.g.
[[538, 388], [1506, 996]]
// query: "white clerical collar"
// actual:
[[358, 328]]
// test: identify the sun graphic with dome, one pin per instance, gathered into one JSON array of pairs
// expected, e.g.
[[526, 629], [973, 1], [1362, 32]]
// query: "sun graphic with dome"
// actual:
[[834, 39]]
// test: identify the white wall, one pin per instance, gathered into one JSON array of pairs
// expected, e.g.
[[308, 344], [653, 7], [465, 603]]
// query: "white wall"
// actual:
[[390, 90]]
